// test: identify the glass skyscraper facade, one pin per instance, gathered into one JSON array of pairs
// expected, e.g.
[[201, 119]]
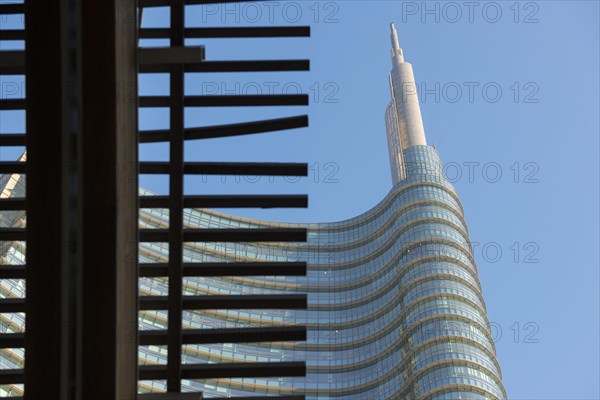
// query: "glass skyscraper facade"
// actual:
[[395, 308]]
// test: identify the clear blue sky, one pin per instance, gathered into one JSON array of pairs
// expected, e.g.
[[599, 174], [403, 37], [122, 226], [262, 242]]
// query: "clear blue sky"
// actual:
[[542, 299]]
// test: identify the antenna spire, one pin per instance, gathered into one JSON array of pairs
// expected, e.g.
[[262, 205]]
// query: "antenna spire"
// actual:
[[396, 50], [404, 123]]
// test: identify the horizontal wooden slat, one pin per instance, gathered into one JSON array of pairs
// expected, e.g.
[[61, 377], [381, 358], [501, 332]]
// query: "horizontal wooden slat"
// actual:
[[12, 204], [228, 269], [228, 235], [12, 8], [12, 139], [170, 55], [170, 396], [12, 167], [12, 340], [8, 376], [12, 305], [270, 398], [10, 234], [12, 62], [12, 272], [235, 66], [13, 104], [12, 34], [229, 335], [229, 201], [219, 131], [230, 32], [229, 100], [246, 235], [163, 3], [227, 370], [210, 302], [229, 168]]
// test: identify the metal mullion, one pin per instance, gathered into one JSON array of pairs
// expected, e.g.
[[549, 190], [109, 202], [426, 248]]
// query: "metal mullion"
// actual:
[[176, 207]]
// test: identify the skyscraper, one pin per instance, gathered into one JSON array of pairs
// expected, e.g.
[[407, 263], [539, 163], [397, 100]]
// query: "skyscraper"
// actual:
[[395, 306]]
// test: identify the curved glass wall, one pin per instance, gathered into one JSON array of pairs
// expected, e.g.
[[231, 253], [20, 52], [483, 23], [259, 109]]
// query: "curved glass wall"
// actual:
[[395, 309]]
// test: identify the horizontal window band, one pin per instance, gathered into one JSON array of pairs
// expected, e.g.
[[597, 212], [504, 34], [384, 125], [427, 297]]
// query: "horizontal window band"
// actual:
[[454, 387], [228, 235], [12, 272], [229, 335], [224, 100], [234, 32], [225, 168], [219, 131], [12, 340], [246, 302], [431, 368], [382, 207], [12, 376], [226, 201], [236, 370], [12, 204], [234, 66], [225, 269]]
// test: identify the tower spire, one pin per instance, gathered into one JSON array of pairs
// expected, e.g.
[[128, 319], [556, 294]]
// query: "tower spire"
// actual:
[[396, 50], [403, 117]]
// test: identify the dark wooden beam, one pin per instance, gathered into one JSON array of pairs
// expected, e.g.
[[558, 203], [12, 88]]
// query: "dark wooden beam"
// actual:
[[109, 200], [45, 244]]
